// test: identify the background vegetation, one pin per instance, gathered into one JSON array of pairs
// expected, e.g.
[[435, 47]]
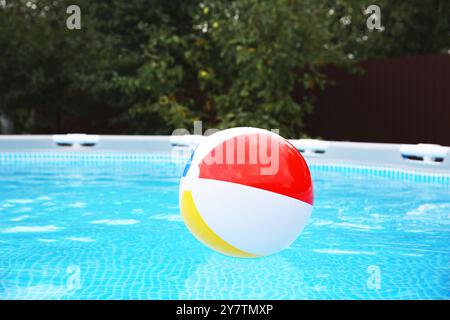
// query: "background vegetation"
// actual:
[[149, 66]]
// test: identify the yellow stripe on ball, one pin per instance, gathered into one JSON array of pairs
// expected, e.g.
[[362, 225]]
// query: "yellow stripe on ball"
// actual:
[[203, 232]]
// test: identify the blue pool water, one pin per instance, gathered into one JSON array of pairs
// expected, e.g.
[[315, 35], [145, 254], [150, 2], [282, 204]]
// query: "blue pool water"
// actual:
[[105, 230]]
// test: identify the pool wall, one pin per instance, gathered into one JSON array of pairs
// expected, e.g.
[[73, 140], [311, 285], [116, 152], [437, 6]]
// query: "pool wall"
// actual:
[[350, 156]]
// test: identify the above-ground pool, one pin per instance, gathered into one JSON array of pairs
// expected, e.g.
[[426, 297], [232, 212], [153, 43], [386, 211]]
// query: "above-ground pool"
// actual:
[[96, 229]]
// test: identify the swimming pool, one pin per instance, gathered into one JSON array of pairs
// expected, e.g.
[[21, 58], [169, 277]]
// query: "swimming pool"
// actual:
[[96, 229]]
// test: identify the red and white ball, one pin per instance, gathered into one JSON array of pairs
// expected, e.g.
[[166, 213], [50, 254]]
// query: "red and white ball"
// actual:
[[246, 192]]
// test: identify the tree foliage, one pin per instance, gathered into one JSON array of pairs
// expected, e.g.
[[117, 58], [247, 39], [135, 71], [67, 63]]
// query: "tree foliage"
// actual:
[[149, 66]]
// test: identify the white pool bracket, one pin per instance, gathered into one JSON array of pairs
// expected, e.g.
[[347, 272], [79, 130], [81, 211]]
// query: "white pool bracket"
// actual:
[[75, 140]]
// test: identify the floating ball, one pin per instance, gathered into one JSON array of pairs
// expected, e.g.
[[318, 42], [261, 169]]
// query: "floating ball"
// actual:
[[246, 192]]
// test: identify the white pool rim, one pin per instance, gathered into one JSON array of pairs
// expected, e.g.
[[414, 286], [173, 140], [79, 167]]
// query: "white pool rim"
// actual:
[[393, 159]]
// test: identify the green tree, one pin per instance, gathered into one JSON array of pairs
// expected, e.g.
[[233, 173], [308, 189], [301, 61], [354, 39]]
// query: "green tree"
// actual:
[[55, 80], [41, 65], [149, 66], [237, 65]]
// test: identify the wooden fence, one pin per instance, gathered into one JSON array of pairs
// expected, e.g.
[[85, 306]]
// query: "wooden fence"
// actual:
[[404, 100]]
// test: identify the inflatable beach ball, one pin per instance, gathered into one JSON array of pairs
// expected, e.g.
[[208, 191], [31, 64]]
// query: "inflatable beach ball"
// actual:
[[246, 192]]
